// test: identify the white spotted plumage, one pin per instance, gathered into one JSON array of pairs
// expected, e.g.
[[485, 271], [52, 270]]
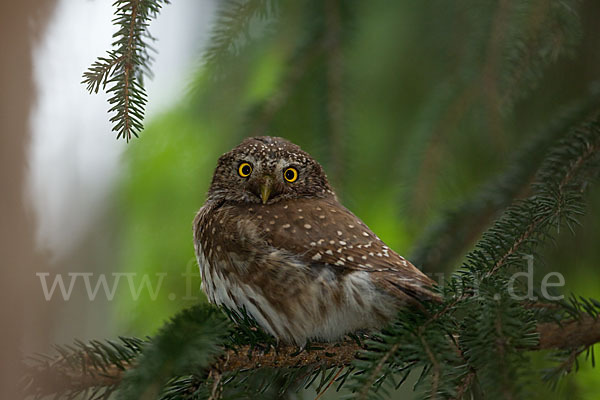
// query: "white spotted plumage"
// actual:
[[354, 313]]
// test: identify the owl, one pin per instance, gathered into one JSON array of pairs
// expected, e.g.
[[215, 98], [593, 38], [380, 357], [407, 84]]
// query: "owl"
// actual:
[[273, 239]]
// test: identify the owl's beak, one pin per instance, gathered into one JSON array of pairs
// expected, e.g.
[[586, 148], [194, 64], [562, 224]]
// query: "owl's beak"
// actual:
[[265, 189]]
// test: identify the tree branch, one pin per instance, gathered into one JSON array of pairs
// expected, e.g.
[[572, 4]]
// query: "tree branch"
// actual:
[[570, 334], [329, 354]]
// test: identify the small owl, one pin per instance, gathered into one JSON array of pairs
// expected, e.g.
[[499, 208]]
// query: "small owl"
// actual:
[[273, 239]]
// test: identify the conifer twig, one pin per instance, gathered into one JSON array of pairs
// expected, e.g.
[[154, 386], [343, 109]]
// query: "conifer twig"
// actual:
[[435, 380], [590, 150], [124, 66], [570, 334], [447, 239]]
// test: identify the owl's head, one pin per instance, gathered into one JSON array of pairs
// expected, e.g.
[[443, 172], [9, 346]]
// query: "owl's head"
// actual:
[[266, 170]]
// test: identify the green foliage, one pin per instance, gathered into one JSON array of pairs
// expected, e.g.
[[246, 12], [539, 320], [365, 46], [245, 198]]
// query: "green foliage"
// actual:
[[493, 328], [493, 335], [538, 34], [411, 344], [233, 28], [66, 373], [123, 68], [445, 240], [186, 344]]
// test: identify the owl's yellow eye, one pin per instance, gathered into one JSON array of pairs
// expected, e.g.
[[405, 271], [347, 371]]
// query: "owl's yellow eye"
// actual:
[[245, 169], [290, 174]]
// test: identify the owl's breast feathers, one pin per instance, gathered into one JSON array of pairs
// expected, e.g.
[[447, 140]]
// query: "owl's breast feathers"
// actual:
[[257, 240]]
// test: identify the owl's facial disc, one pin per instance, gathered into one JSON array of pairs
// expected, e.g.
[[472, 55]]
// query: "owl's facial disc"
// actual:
[[267, 170]]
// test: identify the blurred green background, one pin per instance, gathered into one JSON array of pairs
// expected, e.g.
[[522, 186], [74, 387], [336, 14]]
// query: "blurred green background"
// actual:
[[410, 106]]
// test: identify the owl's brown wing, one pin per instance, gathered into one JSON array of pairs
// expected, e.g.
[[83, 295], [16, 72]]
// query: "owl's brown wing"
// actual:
[[322, 231]]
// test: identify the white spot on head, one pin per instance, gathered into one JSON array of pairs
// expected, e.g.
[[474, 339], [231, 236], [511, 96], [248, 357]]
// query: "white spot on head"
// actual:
[[321, 216], [339, 233], [307, 226]]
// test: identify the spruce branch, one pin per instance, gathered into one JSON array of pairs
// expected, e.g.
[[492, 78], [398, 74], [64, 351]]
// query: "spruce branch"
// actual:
[[81, 367], [187, 344], [568, 165], [123, 69], [564, 174], [465, 385], [521, 42], [69, 373], [435, 365], [445, 240], [232, 28], [558, 187], [570, 334], [551, 29]]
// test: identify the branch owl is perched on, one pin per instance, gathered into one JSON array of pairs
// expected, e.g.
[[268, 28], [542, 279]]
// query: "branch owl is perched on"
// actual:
[[273, 238]]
